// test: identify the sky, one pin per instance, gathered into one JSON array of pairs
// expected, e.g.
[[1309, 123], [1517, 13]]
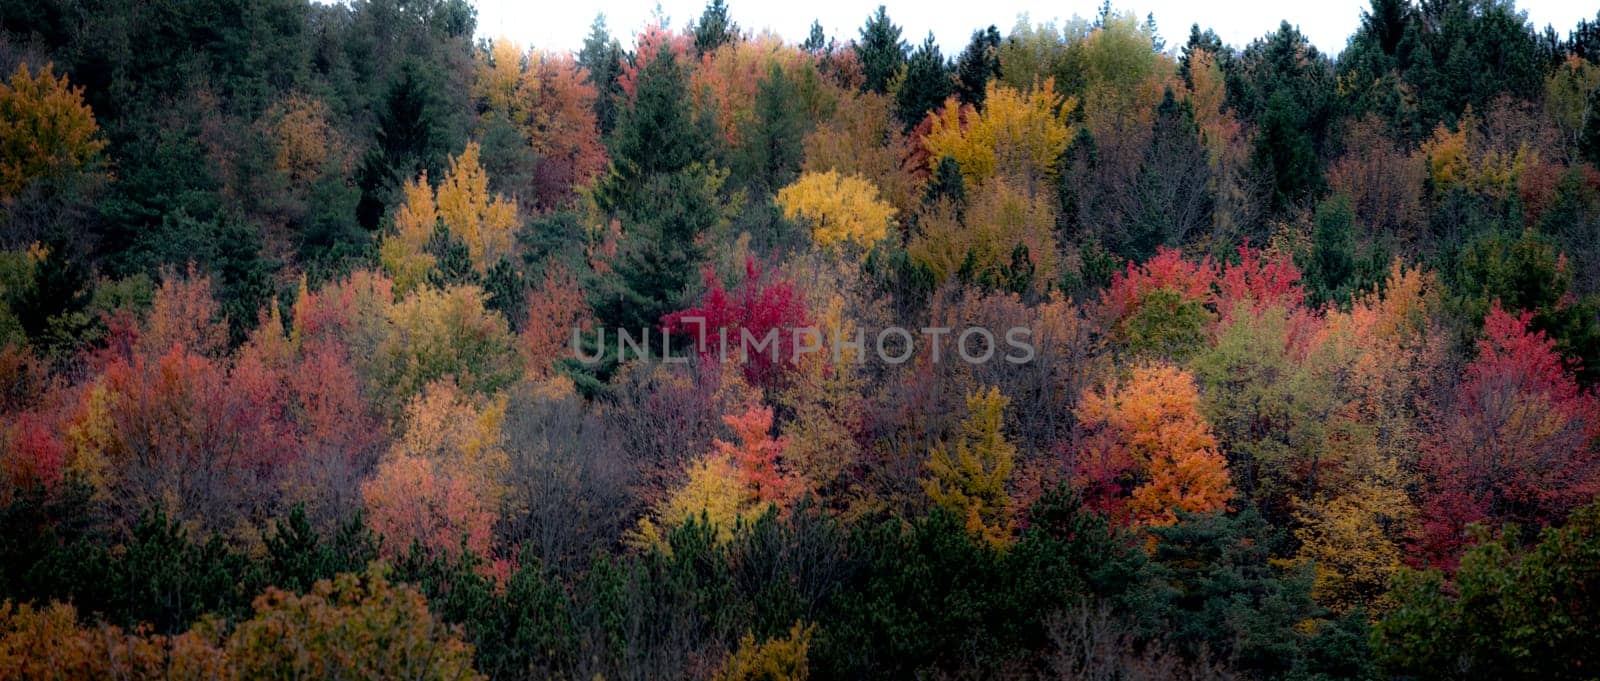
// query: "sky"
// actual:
[[559, 25]]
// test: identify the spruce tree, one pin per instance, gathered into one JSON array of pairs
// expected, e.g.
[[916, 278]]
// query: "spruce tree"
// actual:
[[926, 85], [977, 65], [881, 51]]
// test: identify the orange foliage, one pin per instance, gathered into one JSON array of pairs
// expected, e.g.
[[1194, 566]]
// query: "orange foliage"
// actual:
[[1150, 452]]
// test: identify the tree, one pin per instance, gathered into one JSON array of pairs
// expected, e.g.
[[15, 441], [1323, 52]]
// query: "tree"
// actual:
[[970, 478], [46, 129], [763, 305], [1517, 445], [408, 142], [759, 456], [601, 60], [925, 86], [1504, 612], [714, 29], [1017, 136], [772, 140], [1173, 196], [349, 626], [881, 51], [1151, 454], [434, 333], [978, 64], [775, 659], [838, 207]]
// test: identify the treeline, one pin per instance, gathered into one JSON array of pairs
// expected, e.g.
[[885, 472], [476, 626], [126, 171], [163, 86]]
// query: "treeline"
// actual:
[[289, 293]]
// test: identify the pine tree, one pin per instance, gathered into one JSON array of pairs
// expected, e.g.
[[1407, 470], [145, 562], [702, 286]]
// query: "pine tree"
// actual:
[[601, 59], [714, 28], [970, 479], [773, 147], [977, 65], [881, 51], [408, 142], [926, 85], [1589, 144]]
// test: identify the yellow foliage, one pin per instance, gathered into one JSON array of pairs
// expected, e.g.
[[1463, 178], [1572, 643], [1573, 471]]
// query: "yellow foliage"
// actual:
[[444, 426], [502, 82], [839, 208], [715, 495], [997, 220], [1462, 159], [1017, 136], [1354, 542], [777, 659], [303, 139], [402, 254], [486, 222], [45, 128], [863, 138], [971, 480]]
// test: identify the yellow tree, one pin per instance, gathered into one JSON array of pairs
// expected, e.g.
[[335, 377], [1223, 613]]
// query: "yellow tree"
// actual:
[[1353, 542], [998, 220], [45, 128], [864, 138], [402, 254], [1018, 135], [970, 479], [486, 222], [839, 208]]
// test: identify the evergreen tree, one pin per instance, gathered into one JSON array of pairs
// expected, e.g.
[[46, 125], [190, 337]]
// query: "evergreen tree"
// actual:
[[816, 41], [773, 149], [601, 59], [1173, 195], [714, 28], [407, 142], [926, 84], [978, 64], [881, 51], [1589, 143]]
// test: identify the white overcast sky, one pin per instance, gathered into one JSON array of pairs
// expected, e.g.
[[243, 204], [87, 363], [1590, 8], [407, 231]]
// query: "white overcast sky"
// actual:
[[562, 24]]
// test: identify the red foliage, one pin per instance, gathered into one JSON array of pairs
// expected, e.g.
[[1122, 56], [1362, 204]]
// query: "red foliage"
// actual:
[[1260, 280], [1167, 270], [760, 305], [647, 49], [757, 454], [1516, 446]]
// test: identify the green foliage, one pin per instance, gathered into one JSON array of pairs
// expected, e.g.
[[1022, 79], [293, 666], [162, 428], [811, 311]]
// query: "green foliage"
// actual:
[[881, 51], [925, 86], [1167, 325], [978, 64], [1505, 613], [1337, 268]]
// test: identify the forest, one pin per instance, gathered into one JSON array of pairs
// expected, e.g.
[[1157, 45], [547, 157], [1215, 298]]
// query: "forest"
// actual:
[[304, 370]]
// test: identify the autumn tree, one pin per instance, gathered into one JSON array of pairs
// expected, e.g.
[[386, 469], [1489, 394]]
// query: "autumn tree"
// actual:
[[45, 128], [970, 477], [1018, 135], [463, 205], [1516, 446], [862, 139], [351, 625], [1150, 452], [764, 305], [838, 207], [435, 333]]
